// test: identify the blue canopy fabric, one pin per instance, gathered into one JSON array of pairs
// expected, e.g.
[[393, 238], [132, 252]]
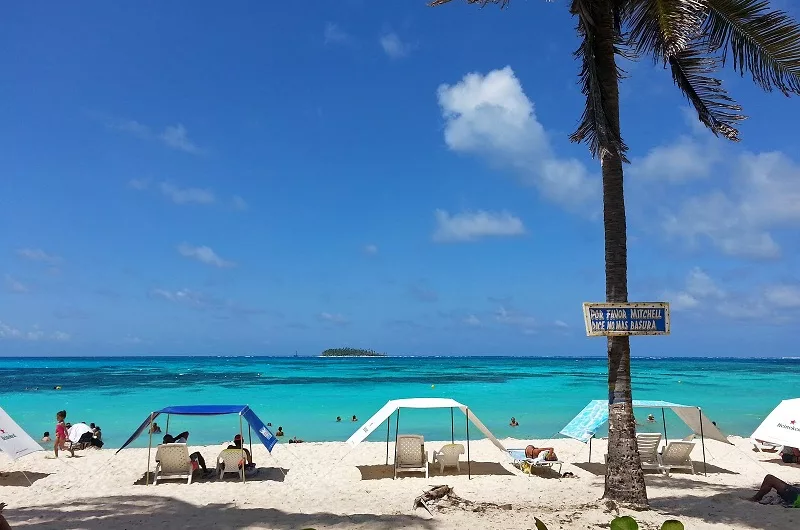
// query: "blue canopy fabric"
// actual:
[[584, 426], [262, 432]]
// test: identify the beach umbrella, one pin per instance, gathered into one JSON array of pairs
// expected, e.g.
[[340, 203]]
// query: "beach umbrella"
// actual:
[[782, 426], [76, 431], [13, 440]]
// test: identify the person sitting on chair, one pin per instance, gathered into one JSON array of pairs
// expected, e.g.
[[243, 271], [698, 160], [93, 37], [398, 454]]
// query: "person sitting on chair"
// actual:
[[182, 438], [237, 444]]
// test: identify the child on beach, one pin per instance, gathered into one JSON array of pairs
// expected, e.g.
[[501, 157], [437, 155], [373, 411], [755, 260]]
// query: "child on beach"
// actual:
[[61, 434]]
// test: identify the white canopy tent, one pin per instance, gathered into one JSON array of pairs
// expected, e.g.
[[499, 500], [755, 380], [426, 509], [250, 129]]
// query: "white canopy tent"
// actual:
[[394, 406], [13, 440], [782, 426]]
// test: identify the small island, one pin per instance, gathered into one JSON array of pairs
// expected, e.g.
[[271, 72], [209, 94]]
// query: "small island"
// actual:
[[351, 352]]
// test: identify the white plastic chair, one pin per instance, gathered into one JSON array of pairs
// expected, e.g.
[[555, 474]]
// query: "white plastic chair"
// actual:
[[676, 455], [172, 461], [410, 454], [228, 462], [448, 456], [648, 450]]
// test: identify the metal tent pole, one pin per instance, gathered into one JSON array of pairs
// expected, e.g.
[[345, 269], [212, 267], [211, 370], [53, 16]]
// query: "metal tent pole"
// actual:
[[149, 445], [241, 437], [167, 430], [452, 427], [664, 420], [250, 437], [388, 428], [469, 462], [396, 427], [703, 442], [590, 449]]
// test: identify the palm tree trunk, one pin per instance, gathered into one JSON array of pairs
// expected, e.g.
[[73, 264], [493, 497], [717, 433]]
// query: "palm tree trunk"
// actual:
[[624, 476]]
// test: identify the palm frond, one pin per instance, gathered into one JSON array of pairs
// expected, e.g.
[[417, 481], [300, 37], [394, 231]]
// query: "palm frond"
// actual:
[[595, 127], [762, 41], [715, 108], [663, 27]]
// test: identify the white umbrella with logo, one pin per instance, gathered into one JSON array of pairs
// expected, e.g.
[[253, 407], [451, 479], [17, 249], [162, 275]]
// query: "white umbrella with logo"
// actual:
[[782, 426]]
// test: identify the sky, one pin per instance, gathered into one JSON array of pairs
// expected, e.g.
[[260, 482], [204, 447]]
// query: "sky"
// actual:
[[270, 178]]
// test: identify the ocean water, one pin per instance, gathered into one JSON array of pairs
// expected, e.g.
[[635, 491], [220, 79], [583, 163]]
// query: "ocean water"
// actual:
[[304, 395]]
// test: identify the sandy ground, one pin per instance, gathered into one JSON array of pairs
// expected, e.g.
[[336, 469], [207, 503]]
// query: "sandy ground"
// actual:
[[322, 486]]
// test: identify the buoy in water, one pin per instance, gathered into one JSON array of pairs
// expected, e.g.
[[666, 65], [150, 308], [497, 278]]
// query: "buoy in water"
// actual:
[[433, 386], [57, 387]]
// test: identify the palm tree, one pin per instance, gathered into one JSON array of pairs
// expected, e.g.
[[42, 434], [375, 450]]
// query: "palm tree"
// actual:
[[694, 38]]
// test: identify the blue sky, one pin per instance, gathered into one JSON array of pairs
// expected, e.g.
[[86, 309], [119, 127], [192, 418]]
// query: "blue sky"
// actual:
[[185, 178]]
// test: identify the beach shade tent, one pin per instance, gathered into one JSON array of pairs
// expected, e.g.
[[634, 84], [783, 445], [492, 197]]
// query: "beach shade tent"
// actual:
[[782, 426], [394, 406], [584, 426], [244, 412], [14, 441]]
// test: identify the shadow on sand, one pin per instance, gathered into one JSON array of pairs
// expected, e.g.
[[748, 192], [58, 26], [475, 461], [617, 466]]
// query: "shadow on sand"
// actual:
[[378, 472], [265, 474], [149, 511], [21, 478], [598, 469]]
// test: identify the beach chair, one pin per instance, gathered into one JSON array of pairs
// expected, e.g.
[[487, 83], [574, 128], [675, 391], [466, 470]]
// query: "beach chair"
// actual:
[[518, 456], [228, 462], [409, 454], [648, 450], [448, 456], [765, 447], [676, 455], [172, 461]]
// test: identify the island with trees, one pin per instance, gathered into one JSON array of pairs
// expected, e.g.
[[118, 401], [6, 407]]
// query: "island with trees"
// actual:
[[351, 352]]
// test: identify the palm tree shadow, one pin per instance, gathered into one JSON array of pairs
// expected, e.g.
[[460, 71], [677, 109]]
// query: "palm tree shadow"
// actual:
[[150, 511]]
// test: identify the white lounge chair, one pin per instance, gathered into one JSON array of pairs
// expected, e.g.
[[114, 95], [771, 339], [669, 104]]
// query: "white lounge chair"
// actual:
[[648, 450], [518, 455], [676, 455], [172, 461], [409, 455], [765, 447], [228, 462], [448, 456]]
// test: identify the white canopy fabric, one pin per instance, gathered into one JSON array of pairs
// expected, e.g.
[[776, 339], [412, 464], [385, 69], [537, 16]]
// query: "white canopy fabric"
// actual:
[[782, 426], [418, 403], [13, 440], [76, 431]]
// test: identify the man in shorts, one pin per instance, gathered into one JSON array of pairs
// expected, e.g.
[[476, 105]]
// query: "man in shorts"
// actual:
[[787, 492]]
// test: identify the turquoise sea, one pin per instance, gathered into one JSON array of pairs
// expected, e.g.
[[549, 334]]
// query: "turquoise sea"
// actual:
[[304, 395]]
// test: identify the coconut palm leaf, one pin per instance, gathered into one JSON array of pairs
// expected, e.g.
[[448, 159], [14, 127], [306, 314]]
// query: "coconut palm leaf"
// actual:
[[715, 108], [764, 42], [663, 27]]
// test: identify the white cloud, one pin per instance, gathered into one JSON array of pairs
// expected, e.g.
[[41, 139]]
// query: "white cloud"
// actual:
[[139, 184], [37, 254], [182, 296], [173, 136], [560, 324], [371, 249], [333, 34], [470, 226], [490, 115], [765, 196], [698, 288], [333, 318], [239, 203], [686, 159], [516, 319], [187, 195], [203, 254], [783, 296], [10, 332], [393, 46], [15, 286], [472, 321]]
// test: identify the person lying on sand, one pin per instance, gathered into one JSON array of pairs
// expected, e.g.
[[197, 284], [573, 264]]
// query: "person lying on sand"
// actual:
[[788, 493]]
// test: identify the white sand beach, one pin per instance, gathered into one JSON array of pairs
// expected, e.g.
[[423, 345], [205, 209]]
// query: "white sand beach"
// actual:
[[318, 485]]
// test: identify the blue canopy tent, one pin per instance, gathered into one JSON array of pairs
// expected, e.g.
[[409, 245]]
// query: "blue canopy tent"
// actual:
[[584, 426], [245, 414]]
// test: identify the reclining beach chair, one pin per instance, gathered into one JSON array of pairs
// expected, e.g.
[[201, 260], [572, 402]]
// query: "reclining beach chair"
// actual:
[[765, 447], [448, 456], [410, 454], [172, 461], [676, 455], [518, 456], [228, 462], [648, 450]]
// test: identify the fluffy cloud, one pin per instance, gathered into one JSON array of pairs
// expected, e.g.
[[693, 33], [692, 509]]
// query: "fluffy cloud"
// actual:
[[490, 115], [173, 136], [9, 332], [14, 285], [699, 288], [37, 254], [333, 318], [765, 195], [333, 34], [393, 46], [185, 296], [688, 158], [203, 254], [187, 195], [510, 317], [470, 226]]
